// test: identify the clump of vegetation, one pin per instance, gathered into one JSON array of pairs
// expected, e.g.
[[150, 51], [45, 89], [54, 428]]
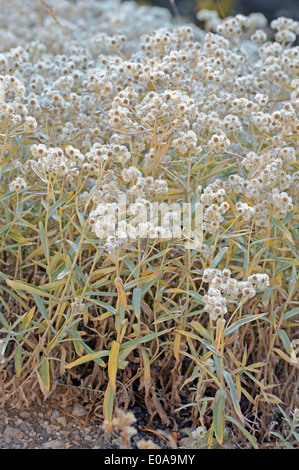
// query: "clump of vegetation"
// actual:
[[108, 111]]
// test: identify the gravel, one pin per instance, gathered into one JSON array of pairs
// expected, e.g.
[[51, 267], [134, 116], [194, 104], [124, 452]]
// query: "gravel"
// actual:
[[47, 427]]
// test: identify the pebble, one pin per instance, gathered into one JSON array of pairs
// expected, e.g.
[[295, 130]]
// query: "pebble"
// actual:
[[77, 437], [61, 420], [12, 433], [54, 444], [55, 415], [23, 427], [79, 411]]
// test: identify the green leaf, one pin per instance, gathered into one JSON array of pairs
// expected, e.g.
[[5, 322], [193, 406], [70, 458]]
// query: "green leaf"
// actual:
[[218, 415], [57, 204], [200, 329], [43, 238], [219, 257], [18, 360], [233, 391], [195, 295], [285, 341], [87, 358], [45, 374], [291, 313], [144, 339], [41, 306], [19, 285], [16, 237], [63, 273], [108, 402], [149, 284], [251, 439], [27, 317], [278, 223], [292, 280], [242, 321], [136, 300], [267, 294]]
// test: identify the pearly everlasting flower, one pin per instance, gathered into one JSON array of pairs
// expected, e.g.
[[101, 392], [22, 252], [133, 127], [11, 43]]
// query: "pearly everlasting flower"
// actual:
[[17, 184], [199, 432], [223, 290], [30, 124]]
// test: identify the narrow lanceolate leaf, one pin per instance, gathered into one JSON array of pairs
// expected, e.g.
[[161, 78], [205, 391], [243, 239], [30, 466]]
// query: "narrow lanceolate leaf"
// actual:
[[113, 363], [144, 339], [25, 323], [146, 370], [63, 273], [41, 306], [200, 329], [286, 342], [218, 415], [251, 439], [44, 377], [121, 292], [18, 360], [23, 286], [291, 313], [57, 204], [88, 358], [242, 321], [108, 402], [278, 223], [137, 300], [177, 346], [234, 395], [219, 257], [219, 334]]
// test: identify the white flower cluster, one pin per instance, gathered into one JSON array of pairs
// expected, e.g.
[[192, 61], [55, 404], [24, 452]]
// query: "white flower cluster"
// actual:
[[224, 289], [109, 222], [54, 160], [17, 184]]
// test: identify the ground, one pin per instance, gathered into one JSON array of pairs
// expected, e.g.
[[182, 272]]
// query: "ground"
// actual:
[[46, 427]]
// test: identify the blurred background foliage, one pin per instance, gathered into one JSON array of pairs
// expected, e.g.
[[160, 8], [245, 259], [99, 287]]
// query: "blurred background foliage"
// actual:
[[270, 8]]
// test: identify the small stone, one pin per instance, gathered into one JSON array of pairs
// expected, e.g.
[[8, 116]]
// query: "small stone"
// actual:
[[61, 420], [79, 410], [23, 427], [116, 442], [56, 428], [55, 415], [77, 437], [54, 444], [13, 433]]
